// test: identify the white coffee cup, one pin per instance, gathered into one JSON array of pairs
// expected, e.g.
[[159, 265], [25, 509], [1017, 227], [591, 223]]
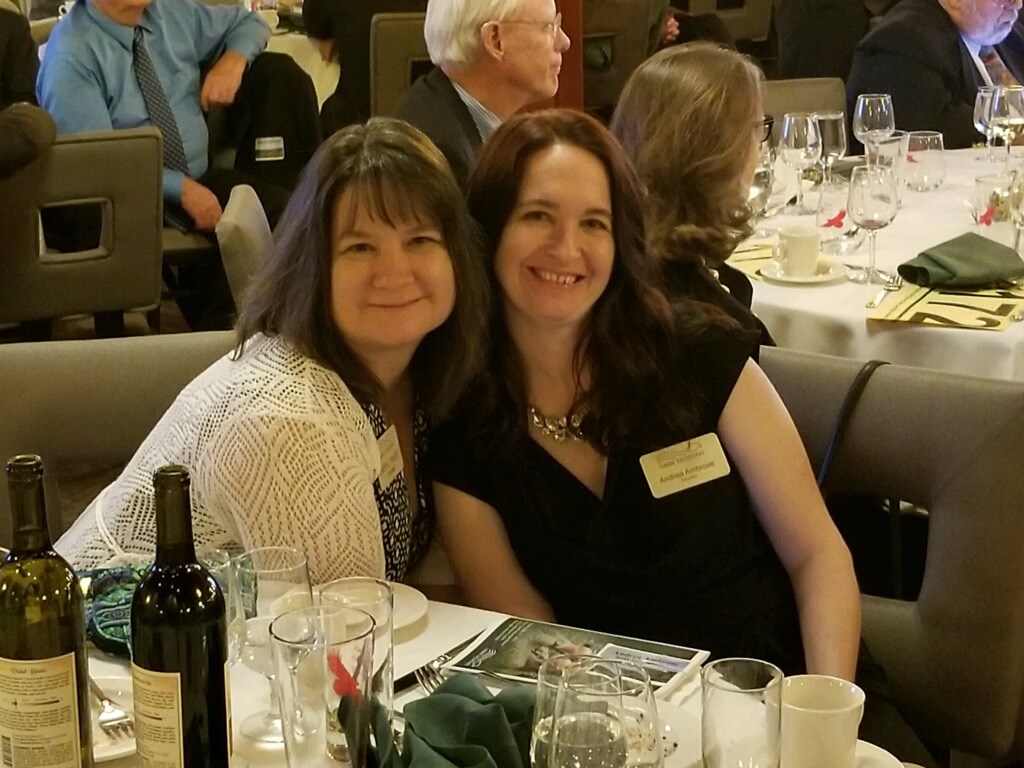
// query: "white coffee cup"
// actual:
[[820, 717], [798, 251]]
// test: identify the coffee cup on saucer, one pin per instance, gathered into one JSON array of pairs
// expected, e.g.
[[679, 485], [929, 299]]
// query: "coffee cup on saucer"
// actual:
[[820, 717], [798, 251]]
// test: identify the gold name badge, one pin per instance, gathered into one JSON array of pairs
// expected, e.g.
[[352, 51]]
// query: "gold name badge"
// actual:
[[684, 465]]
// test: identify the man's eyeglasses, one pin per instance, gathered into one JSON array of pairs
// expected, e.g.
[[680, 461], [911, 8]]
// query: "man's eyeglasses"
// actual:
[[552, 26], [765, 126]]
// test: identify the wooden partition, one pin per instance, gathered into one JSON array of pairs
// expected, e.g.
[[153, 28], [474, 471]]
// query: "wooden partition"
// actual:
[[570, 82]]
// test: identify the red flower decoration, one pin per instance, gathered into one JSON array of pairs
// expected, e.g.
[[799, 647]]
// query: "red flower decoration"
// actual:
[[836, 221], [344, 683], [911, 159], [986, 217]]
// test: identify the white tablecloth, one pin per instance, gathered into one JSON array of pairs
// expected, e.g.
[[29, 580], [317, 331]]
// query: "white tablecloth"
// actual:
[[831, 318], [300, 48]]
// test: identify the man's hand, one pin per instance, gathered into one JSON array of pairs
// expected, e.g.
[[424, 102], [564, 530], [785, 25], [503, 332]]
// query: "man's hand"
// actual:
[[201, 204], [222, 80]]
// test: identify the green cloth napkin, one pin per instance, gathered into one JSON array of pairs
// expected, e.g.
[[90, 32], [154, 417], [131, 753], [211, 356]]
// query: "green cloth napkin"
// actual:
[[460, 725], [967, 260]]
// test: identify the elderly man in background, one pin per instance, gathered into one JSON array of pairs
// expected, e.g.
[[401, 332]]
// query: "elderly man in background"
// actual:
[[932, 56], [491, 58]]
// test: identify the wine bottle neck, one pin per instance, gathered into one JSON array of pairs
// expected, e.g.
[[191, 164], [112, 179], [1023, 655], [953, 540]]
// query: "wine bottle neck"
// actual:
[[28, 513], [174, 543]]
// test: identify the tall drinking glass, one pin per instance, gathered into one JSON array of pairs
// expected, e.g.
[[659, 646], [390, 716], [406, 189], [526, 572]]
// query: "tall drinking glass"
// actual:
[[588, 728], [377, 598], [832, 127], [272, 581], [761, 185], [549, 680], [740, 723], [926, 163], [873, 118], [800, 144], [872, 206], [1006, 115], [982, 115]]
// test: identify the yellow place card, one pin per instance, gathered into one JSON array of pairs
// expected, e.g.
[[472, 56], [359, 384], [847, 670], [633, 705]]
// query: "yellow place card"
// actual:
[[749, 259], [987, 310]]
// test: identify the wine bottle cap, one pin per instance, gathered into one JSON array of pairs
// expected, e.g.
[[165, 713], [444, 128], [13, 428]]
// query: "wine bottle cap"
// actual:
[[25, 466], [171, 474]]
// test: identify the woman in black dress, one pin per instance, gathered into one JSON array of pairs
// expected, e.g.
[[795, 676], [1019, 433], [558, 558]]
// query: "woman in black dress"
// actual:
[[625, 466]]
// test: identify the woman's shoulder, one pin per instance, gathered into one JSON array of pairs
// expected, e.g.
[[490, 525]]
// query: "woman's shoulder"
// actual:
[[710, 356]]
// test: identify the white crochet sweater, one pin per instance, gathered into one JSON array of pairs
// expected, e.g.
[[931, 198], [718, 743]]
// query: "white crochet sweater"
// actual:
[[280, 452]]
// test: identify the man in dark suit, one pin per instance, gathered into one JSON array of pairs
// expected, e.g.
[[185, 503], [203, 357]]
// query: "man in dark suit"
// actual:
[[487, 66], [18, 59], [27, 133], [932, 56]]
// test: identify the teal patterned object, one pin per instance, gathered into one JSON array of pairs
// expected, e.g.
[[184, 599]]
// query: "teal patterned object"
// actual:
[[108, 603]]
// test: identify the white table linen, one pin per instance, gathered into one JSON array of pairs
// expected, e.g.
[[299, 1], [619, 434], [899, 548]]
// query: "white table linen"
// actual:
[[301, 48], [831, 318]]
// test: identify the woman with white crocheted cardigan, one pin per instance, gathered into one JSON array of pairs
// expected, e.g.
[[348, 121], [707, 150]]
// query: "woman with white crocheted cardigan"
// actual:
[[362, 326]]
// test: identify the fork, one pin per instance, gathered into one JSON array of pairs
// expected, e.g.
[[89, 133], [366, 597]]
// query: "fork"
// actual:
[[113, 720], [894, 283]]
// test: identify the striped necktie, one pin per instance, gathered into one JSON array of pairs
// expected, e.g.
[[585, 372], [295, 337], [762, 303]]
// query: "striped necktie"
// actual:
[[159, 109], [997, 70]]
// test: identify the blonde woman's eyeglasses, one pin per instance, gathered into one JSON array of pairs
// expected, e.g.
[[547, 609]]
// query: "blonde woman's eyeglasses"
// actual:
[[552, 26]]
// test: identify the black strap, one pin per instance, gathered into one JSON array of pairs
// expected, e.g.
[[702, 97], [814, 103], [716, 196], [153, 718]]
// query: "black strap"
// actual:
[[844, 416]]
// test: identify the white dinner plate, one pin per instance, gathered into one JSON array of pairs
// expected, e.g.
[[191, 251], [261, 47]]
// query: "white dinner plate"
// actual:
[[682, 742], [410, 606], [828, 271], [104, 746]]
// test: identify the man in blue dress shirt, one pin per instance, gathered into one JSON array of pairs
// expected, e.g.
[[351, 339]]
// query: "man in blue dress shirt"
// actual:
[[88, 82]]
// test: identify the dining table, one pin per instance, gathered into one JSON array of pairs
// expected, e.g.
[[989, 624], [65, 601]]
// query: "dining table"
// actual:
[[442, 627], [830, 317]]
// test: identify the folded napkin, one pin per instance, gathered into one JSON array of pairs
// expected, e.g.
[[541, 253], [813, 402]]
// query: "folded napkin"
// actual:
[[460, 725], [967, 260]]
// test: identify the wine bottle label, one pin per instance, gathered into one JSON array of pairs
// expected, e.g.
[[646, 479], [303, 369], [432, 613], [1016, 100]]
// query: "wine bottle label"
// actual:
[[39, 713], [159, 735]]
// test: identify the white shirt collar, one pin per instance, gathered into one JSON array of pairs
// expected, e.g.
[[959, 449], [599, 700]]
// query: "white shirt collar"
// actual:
[[974, 49]]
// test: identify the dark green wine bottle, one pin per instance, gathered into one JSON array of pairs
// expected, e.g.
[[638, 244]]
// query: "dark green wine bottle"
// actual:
[[44, 684], [179, 644]]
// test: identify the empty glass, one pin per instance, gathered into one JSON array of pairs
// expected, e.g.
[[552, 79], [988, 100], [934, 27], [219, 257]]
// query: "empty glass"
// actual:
[[323, 658], [873, 118], [740, 721], [800, 145], [836, 231], [272, 581], [926, 161], [761, 185], [982, 115], [832, 127], [872, 205]]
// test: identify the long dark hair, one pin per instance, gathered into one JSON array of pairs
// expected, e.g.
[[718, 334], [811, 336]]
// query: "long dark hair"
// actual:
[[395, 173], [631, 335]]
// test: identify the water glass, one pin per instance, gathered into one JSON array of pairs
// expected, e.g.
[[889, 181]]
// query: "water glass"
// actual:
[[800, 145], [926, 161], [993, 214], [832, 127], [891, 152], [873, 118], [872, 205], [377, 598], [220, 565], [836, 230], [272, 581], [549, 680], [741, 713], [982, 116], [323, 658]]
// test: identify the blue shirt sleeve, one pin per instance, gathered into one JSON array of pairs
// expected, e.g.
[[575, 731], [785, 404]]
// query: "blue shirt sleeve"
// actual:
[[220, 28]]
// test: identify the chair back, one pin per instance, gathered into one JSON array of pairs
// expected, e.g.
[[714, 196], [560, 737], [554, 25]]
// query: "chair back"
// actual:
[[616, 36], [8, 5], [91, 402], [745, 19], [397, 47], [41, 29], [947, 443], [244, 237], [805, 94], [123, 272]]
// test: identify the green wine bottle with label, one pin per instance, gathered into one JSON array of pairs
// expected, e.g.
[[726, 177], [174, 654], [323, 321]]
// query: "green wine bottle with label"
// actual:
[[44, 685], [179, 644]]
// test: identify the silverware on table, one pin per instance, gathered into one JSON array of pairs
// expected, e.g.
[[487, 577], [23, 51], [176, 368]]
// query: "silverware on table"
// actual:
[[894, 283], [114, 720], [429, 676]]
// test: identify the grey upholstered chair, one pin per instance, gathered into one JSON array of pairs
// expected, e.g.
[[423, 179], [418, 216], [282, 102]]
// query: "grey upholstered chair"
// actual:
[[952, 445], [616, 35], [749, 21], [91, 402], [396, 46], [123, 272], [244, 237], [806, 94]]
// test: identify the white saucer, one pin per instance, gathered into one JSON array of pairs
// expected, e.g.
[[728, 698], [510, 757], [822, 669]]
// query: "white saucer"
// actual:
[[106, 747], [410, 606], [828, 271]]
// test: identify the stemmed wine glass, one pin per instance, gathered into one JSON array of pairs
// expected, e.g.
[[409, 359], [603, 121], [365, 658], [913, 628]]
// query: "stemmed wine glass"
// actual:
[[1006, 114], [982, 115], [760, 192], [800, 144], [832, 127], [272, 581], [873, 118], [872, 205]]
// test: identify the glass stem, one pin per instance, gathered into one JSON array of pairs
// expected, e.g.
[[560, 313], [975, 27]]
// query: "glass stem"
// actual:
[[990, 145], [871, 252], [828, 171], [800, 190]]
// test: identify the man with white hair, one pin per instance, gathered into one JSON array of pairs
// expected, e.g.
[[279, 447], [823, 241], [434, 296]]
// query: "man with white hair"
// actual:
[[932, 56], [491, 58]]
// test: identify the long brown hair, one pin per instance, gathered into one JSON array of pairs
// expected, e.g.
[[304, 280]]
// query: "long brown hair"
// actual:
[[631, 333], [685, 119], [395, 173]]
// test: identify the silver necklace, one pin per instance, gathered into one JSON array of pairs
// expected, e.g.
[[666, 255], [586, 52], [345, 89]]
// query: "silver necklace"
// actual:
[[559, 429]]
